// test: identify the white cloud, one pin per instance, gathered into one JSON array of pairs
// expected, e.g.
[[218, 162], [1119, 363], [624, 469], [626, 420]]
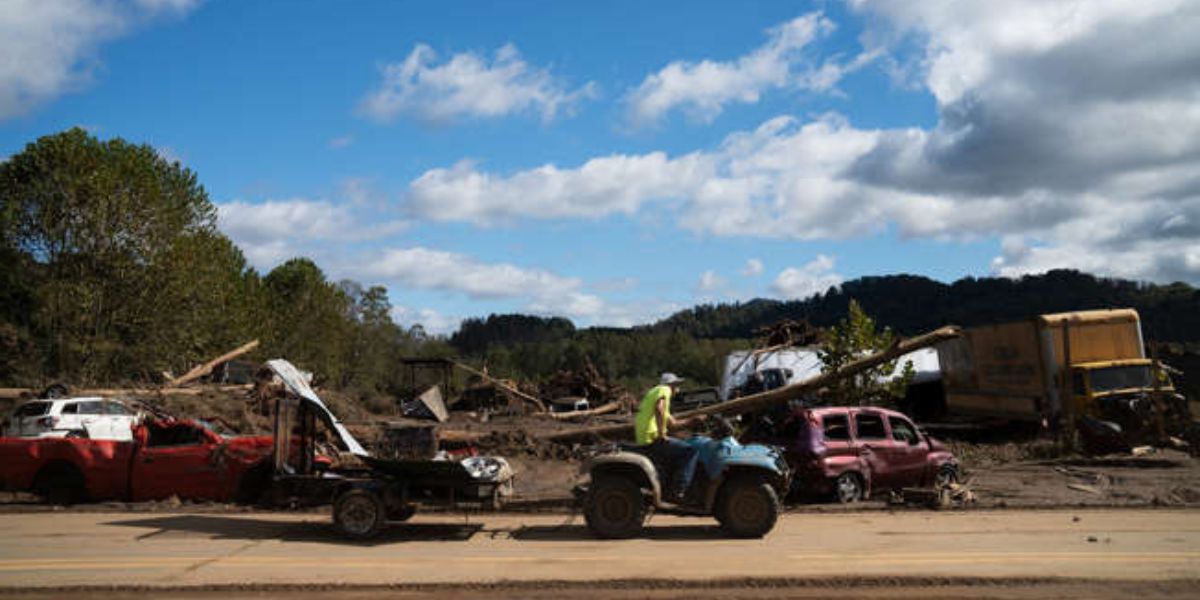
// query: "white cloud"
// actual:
[[468, 86], [710, 282], [703, 89], [433, 321], [753, 268], [48, 48], [341, 141], [1095, 162], [541, 291], [814, 277], [272, 231]]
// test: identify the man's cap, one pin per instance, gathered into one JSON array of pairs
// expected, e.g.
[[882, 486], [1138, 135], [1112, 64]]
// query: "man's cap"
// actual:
[[670, 379]]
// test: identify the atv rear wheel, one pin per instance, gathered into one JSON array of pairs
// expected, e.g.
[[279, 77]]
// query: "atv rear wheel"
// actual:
[[614, 508], [747, 508], [359, 514]]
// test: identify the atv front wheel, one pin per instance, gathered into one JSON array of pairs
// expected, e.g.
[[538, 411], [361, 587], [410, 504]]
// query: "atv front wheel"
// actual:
[[614, 508], [747, 508]]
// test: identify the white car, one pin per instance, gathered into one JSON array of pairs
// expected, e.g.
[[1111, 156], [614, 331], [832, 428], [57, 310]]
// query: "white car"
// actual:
[[90, 417]]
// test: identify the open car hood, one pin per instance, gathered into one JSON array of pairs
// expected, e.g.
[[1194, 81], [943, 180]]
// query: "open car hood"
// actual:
[[291, 377]]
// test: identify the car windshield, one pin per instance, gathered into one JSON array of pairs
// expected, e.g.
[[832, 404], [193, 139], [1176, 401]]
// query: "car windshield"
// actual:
[[216, 428], [1108, 379]]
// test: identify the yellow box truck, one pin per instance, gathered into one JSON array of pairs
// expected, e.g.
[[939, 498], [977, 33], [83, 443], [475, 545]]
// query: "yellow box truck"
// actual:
[[1014, 370]]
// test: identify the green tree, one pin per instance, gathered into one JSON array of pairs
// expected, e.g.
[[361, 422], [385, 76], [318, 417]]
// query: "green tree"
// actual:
[[309, 319], [93, 221], [852, 338]]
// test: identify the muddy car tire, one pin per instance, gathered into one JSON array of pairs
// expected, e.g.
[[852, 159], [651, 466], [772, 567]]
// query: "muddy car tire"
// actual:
[[359, 514], [848, 488], [747, 508], [60, 484], [614, 508]]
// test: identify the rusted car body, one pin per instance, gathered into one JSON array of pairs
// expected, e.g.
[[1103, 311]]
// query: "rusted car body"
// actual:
[[850, 452], [166, 458]]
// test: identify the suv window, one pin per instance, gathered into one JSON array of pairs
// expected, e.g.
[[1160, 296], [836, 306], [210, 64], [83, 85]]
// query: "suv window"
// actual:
[[903, 431], [70, 409], [116, 408], [32, 409], [91, 408], [836, 427], [870, 426]]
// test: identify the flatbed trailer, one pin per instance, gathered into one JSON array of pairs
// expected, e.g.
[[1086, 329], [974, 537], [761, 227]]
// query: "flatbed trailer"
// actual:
[[367, 495]]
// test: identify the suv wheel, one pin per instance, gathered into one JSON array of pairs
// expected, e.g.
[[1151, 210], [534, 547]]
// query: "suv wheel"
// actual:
[[848, 488], [614, 508], [747, 508]]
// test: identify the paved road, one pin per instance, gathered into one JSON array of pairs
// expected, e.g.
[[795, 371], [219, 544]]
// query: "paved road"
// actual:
[[67, 549]]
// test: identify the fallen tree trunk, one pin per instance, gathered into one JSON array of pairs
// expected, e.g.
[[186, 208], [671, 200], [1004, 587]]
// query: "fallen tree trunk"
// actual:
[[206, 368], [763, 400], [603, 409], [19, 393]]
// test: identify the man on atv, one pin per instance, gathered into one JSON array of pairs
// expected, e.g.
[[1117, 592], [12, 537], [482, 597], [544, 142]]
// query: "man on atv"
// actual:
[[653, 417]]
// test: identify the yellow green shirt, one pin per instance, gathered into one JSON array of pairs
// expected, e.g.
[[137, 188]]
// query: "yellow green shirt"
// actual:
[[646, 426]]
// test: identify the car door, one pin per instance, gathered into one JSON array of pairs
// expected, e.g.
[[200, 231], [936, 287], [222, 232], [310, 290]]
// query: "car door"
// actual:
[[907, 456], [90, 418], [177, 460], [871, 442], [118, 421]]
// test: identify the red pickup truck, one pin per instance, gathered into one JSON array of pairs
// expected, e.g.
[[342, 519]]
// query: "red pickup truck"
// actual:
[[167, 457]]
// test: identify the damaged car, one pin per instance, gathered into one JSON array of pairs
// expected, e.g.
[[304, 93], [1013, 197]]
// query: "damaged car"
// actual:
[[849, 453]]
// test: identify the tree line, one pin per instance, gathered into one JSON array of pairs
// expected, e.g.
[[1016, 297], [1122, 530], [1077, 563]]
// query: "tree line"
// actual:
[[112, 270]]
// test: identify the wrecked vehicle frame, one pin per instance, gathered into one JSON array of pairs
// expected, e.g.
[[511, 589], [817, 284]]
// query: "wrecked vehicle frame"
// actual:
[[367, 495]]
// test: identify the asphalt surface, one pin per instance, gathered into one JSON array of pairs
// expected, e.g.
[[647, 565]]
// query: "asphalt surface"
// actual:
[[140, 553]]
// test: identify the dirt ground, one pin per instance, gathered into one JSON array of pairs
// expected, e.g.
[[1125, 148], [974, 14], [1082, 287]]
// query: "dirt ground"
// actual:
[[988, 554]]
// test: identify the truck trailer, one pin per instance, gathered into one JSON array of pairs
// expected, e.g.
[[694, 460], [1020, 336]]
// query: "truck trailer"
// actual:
[[1015, 370]]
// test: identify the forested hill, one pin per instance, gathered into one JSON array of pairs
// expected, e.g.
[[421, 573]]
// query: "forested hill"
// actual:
[[909, 304]]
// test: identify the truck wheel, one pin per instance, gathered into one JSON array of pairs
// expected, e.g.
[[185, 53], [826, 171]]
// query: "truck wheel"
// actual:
[[747, 508], [359, 514], [848, 488], [614, 508], [59, 484]]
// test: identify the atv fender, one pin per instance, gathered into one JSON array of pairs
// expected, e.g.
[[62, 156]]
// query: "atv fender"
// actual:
[[626, 463]]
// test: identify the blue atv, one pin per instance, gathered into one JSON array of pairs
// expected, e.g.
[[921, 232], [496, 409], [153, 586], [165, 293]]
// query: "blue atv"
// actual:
[[738, 484]]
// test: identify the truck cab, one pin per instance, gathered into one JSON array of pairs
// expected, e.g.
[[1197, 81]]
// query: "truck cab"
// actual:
[[1124, 392]]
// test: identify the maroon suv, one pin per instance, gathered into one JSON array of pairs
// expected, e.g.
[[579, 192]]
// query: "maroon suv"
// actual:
[[848, 452]]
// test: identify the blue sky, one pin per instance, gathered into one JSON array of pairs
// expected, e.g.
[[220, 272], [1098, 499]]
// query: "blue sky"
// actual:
[[613, 162]]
